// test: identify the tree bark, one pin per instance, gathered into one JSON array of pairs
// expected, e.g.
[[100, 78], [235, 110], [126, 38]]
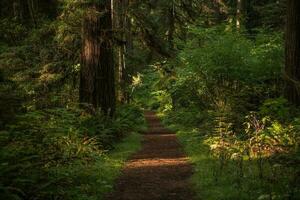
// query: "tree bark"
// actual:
[[292, 52], [97, 78]]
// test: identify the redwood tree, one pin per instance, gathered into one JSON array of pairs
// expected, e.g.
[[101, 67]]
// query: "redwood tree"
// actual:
[[97, 82], [292, 52]]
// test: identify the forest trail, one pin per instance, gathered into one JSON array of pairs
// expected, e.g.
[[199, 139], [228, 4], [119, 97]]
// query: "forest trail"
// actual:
[[159, 171]]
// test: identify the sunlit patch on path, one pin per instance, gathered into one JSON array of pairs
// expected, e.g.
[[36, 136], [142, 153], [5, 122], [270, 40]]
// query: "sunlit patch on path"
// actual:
[[160, 171]]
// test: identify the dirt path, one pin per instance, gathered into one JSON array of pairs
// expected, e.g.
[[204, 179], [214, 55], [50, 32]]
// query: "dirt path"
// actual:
[[160, 171]]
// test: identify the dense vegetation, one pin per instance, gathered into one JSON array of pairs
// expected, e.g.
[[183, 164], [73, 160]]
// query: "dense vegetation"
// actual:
[[76, 75], [53, 147]]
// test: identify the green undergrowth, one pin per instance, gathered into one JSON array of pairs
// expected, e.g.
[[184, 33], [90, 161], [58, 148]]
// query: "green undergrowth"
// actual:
[[214, 180], [66, 153], [92, 182], [224, 93]]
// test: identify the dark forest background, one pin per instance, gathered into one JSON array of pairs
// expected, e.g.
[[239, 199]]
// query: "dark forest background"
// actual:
[[76, 75]]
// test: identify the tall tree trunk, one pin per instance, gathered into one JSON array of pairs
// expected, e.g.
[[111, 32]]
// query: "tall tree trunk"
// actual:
[[129, 50], [239, 13], [122, 49], [292, 52], [97, 80]]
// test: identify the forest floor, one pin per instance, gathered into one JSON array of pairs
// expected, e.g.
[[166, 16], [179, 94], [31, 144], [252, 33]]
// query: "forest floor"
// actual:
[[159, 171]]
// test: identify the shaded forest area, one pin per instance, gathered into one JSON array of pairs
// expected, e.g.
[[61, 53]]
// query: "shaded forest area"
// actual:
[[76, 76]]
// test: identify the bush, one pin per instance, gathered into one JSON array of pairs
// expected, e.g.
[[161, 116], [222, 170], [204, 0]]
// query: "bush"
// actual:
[[277, 108]]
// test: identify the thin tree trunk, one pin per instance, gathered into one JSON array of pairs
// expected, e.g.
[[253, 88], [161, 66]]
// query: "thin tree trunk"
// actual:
[[171, 26], [292, 52], [129, 49], [122, 70], [239, 14]]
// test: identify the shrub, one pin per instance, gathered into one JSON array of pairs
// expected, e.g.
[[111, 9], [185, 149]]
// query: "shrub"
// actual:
[[277, 108]]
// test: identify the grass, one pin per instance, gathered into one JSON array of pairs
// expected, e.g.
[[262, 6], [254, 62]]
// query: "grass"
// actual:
[[210, 182]]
